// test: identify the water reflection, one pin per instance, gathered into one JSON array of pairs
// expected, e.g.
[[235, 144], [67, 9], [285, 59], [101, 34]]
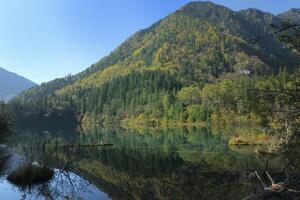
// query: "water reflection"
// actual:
[[64, 185], [165, 163]]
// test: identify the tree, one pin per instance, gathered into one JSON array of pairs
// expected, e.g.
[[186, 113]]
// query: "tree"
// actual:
[[4, 119], [289, 33], [189, 95]]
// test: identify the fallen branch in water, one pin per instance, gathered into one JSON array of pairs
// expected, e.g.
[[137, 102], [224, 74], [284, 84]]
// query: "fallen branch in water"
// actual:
[[86, 145], [43, 146], [279, 189]]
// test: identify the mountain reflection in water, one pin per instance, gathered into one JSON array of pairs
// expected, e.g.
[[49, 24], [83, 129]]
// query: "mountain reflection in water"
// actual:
[[164, 163]]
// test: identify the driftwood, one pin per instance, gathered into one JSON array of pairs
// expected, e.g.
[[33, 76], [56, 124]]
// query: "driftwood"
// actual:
[[42, 145], [87, 145], [281, 190]]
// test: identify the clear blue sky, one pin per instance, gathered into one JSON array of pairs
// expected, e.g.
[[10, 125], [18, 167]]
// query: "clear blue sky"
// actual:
[[46, 39]]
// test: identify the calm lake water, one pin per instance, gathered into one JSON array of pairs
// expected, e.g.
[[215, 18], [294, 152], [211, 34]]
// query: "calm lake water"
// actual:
[[143, 163]]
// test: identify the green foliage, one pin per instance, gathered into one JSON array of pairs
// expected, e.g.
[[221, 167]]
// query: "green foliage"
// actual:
[[189, 95]]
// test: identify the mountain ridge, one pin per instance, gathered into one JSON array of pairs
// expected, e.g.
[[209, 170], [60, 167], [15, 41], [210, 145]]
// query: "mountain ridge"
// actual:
[[197, 44], [12, 84], [292, 15]]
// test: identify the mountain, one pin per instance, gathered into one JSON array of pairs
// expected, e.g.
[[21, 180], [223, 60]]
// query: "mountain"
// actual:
[[292, 15], [12, 84], [198, 44]]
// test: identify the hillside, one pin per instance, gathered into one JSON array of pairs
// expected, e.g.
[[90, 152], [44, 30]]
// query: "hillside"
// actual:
[[156, 68], [12, 84]]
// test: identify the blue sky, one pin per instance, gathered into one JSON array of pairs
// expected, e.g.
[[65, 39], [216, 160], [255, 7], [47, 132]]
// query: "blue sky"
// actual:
[[46, 39]]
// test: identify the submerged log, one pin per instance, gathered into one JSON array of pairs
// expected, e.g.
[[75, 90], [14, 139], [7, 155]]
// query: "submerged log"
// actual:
[[87, 145]]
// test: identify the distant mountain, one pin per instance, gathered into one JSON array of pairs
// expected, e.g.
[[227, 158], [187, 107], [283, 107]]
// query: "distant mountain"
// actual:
[[198, 44], [292, 15], [12, 84]]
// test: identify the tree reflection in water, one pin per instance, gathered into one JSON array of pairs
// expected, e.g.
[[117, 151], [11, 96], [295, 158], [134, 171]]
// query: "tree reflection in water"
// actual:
[[4, 153], [64, 185]]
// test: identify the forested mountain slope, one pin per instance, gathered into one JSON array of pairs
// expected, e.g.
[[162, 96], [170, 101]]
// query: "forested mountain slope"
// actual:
[[157, 67]]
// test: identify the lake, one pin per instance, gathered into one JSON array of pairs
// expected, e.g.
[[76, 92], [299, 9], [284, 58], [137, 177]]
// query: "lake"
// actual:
[[143, 163]]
